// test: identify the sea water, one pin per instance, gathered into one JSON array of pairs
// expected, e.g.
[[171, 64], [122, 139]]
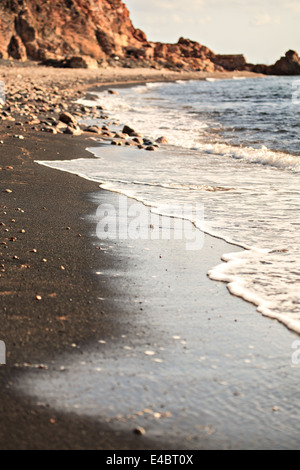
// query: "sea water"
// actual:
[[235, 149]]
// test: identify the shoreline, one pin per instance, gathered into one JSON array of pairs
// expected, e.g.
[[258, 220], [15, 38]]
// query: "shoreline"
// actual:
[[37, 332]]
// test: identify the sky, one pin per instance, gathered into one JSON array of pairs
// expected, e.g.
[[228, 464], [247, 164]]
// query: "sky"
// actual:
[[263, 30]]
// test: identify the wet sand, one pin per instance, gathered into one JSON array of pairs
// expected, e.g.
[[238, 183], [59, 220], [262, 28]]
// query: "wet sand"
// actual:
[[38, 331], [224, 378], [192, 365]]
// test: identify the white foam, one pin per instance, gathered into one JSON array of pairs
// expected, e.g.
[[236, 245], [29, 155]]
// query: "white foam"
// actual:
[[185, 131], [251, 195], [262, 155]]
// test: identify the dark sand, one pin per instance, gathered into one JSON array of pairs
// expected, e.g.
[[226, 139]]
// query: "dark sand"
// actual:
[[239, 363], [37, 331]]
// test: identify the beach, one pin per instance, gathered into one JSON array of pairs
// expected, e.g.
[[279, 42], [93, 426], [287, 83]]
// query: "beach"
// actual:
[[59, 319]]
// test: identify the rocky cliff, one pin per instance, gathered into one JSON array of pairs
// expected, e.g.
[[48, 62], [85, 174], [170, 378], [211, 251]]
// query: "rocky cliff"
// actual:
[[91, 32], [55, 29], [88, 33]]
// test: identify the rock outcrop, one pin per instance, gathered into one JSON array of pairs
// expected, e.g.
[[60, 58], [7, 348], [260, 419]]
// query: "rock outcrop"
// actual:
[[89, 33], [287, 65], [84, 33], [183, 55], [60, 29]]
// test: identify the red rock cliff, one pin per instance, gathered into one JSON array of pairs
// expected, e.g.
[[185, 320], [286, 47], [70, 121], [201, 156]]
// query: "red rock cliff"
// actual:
[[56, 30], [41, 29], [61, 32]]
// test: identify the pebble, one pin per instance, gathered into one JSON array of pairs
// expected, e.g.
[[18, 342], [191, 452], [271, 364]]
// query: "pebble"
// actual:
[[67, 118], [128, 130], [49, 130], [107, 134], [149, 353], [93, 129], [119, 135], [139, 431], [116, 142], [162, 140], [71, 131], [138, 140]]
